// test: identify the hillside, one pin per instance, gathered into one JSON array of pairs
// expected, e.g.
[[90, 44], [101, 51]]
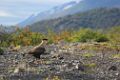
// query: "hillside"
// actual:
[[49, 14], [97, 18], [70, 8]]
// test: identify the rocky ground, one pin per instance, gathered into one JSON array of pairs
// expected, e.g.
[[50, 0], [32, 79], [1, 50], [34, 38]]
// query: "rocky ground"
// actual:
[[64, 61]]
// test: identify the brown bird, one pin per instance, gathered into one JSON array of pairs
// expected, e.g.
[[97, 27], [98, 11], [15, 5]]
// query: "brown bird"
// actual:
[[38, 50]]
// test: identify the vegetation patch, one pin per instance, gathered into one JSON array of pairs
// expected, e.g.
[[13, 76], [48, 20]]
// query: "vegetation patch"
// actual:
[[115, 56], [88, 55], [25, 37], [91, 65], [1, 51], [54, 78]]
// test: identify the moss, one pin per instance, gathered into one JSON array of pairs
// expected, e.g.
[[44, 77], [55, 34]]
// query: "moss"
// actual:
[[1, 51], [88, 55], [56, 78], [91, 65], [115, 56], [53, 78]]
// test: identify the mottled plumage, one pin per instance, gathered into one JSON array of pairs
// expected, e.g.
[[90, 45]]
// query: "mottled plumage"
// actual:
[[38, 50]]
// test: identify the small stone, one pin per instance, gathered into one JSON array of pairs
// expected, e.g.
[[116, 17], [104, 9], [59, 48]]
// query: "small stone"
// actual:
[[54, 56], [112, 68], [80, 67], [117, 74], [61, 58], [20, 68], [17, 70]]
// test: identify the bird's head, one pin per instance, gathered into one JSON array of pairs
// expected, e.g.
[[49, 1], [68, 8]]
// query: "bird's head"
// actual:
[[44, 41]]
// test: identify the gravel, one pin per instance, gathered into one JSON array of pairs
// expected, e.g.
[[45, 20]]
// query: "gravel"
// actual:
[[63, 62]]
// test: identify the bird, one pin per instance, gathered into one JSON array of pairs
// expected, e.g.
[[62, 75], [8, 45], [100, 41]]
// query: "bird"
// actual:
[[38, 50]]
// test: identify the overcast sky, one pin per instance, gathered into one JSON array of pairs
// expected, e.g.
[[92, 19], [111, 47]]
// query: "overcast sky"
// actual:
[[15, 11]]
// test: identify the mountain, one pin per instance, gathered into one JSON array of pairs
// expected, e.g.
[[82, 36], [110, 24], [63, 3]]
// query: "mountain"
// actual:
[[50, 14], [97, 18], [85, 5], [27, 21], [70, 8]]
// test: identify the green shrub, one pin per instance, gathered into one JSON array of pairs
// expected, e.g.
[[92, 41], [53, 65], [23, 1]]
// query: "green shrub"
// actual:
[[101, 38], [84, 35], [87, 36], [114, 35]]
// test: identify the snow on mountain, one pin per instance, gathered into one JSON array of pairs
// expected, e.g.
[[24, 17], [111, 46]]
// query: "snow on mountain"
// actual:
[[69, 9], [47, 14]]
